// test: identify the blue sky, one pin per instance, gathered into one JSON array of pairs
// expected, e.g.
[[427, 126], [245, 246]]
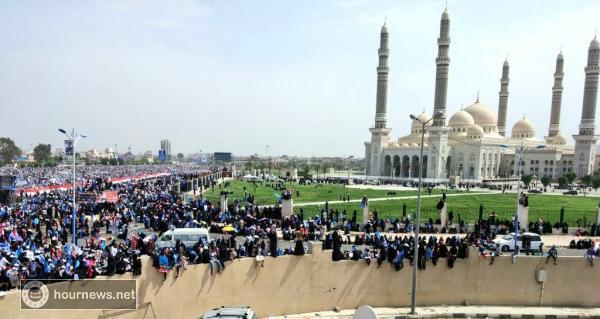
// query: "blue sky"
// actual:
[[296, 75]]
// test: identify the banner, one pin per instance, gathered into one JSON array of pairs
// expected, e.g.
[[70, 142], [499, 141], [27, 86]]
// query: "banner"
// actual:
[[110, 196]]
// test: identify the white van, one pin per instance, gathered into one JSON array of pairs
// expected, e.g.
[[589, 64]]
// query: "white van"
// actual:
[[188, 236], [507, 242]]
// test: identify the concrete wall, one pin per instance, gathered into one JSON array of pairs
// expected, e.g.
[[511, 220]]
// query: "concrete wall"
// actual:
[[292, 284]]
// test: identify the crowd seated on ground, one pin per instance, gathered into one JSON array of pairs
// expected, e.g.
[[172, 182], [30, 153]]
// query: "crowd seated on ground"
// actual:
[[35, 229], [35, 232]]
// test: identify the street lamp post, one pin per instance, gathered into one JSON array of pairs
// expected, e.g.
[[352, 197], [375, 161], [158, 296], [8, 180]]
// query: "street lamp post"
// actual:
[[516, 219], [519, 152], [413, 303], [73, 138], [349, 159]]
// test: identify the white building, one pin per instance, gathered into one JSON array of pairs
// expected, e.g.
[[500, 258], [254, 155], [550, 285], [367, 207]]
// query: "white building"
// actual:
[[474, 145]]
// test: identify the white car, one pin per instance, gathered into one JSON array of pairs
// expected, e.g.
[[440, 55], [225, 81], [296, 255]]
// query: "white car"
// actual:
[[242, 312], [188, 236], [507, 242]]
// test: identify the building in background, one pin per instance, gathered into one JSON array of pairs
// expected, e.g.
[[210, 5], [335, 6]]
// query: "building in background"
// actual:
[[475, 144], [165, 147]]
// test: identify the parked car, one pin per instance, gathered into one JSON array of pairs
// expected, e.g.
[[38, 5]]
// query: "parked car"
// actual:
[[534, 191], [507, 243], [571, 192], [188, 236], [372, 182], [242, 312]]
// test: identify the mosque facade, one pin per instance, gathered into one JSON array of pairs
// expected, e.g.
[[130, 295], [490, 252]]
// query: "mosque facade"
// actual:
[[474, 144]]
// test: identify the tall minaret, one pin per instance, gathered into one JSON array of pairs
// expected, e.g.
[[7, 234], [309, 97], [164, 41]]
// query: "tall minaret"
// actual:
[[557, 90], [441, 73], [438, 132], [382, 79], [585, 142], [380, 132], [503, 99]]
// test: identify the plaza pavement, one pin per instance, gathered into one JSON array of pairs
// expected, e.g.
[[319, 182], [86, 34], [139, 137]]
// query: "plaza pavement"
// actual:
[[460, 312]]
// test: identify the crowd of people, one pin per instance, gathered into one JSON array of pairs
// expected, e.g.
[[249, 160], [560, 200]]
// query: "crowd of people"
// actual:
[[394, 249], [63, 174], [36, 228]]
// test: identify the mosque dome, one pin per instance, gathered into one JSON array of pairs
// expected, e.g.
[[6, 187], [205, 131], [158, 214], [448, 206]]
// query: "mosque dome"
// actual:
[[523, 129], [559, 139], [461, 119], [423, 117], [475, 131], [482, 114], [416, 126], [414, 145]]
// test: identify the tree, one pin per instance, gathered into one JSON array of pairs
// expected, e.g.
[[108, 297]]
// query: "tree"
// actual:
[[563, 181], [325, 166], [304, 169], [42, 153], [586, 180], [545, 181], [316, 167], [526, 179], [8, 150], [596, 181], [180, 156], [570, 177]]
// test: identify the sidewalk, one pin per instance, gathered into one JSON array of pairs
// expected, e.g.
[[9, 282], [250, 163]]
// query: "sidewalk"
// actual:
[[461, 312]]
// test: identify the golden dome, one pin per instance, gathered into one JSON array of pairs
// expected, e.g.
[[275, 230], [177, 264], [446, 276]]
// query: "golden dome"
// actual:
[[482, 114], [461, 119], [475, 131], [523, 129]]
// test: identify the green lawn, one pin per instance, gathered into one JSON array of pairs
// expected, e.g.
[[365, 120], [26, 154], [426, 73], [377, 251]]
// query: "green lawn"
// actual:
[[308, 193], [545, 206]]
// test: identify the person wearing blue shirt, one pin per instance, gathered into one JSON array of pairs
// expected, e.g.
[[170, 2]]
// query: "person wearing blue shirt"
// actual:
[[164, 263]]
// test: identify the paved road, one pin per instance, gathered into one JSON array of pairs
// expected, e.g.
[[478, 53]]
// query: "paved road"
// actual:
[[457, 312], [562, 251]]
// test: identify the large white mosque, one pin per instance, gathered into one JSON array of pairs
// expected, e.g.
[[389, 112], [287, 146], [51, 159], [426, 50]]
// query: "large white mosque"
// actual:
[[474, 145]]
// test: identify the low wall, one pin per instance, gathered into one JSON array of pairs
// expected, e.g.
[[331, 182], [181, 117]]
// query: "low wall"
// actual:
[[299, 284]]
